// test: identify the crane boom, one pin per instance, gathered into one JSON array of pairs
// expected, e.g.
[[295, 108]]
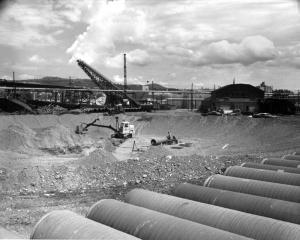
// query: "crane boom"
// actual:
[[106, 84]]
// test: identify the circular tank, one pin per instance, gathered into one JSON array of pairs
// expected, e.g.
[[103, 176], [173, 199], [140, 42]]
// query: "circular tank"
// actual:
[[249, 225], [255, 187]]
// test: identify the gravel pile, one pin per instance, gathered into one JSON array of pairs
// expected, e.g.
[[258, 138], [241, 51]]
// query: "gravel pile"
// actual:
[[51, 109], [155, 168]]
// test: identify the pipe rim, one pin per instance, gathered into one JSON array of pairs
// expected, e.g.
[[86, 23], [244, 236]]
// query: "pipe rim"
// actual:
[[208, 180], [94, 205], [42, 219], [132, 191], [227, 170], [263, 161]]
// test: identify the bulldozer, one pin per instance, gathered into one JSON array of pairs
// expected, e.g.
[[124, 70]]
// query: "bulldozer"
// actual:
[[123, 130]]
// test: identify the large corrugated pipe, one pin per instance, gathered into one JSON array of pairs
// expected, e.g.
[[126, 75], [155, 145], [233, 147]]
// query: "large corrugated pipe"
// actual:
[[65, 224], [282, 162], [271, 167], [263, 175], [156, 142], [245, 224], [268, 207], [147, 224], [292, 157], [5, 234], [255, 187]]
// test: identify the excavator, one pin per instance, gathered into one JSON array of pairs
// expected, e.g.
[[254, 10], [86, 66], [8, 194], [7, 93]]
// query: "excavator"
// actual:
[[123, 130]]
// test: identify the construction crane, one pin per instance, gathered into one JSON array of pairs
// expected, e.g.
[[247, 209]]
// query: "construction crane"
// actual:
[[105, 84]]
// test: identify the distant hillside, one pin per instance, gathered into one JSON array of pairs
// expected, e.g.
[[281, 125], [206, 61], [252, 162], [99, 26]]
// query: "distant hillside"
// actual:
[[87, 83], [83, 83]]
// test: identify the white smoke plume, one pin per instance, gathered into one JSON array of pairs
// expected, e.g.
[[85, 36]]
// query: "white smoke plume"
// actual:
[[111, 26]]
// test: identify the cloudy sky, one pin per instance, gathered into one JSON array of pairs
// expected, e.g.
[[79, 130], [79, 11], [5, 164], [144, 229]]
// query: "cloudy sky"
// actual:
[[175, 42]]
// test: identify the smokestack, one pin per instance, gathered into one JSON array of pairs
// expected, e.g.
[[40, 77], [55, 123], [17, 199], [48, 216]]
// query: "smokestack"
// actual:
[[125, 74]]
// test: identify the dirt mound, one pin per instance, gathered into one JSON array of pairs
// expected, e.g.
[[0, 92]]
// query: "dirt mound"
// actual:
[[194, 125], [240, 132], [21, 138], [98, 155], [60, 137], [17, 138]]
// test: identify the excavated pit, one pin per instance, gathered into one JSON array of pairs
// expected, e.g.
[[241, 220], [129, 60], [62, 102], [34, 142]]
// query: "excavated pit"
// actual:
[[44, 165]]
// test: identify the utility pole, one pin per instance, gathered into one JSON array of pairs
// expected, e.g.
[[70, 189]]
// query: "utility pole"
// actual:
[[153, 96], [298, 103], [15, 87], [192, 97], [125, 74]]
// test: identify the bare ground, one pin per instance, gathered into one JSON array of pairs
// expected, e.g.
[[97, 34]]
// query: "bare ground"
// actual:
[[44, 165]]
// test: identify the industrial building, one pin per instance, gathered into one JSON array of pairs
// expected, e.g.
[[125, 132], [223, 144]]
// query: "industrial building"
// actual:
[[234, 96]]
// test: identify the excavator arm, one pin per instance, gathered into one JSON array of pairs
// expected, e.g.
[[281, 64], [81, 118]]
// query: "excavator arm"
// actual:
[[83, 127], [105, 126]]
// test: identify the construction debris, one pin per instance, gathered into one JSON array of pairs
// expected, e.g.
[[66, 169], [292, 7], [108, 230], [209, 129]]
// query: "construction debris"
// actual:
[[51, 109]]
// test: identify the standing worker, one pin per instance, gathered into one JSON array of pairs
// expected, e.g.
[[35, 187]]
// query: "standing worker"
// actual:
[[169, 136]]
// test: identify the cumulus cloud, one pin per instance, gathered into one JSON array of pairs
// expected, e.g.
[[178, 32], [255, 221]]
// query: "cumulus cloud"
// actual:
[[166, 34], [130, 80], [38, 23], [250, 50], [118, 79], [177, 50], [31, 16], [115, 61], [113, 23], [288, 56], [27, 23], [173, 75], [37, 59], [6, 77], [72, 10], [25, 76], [136, 57]]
